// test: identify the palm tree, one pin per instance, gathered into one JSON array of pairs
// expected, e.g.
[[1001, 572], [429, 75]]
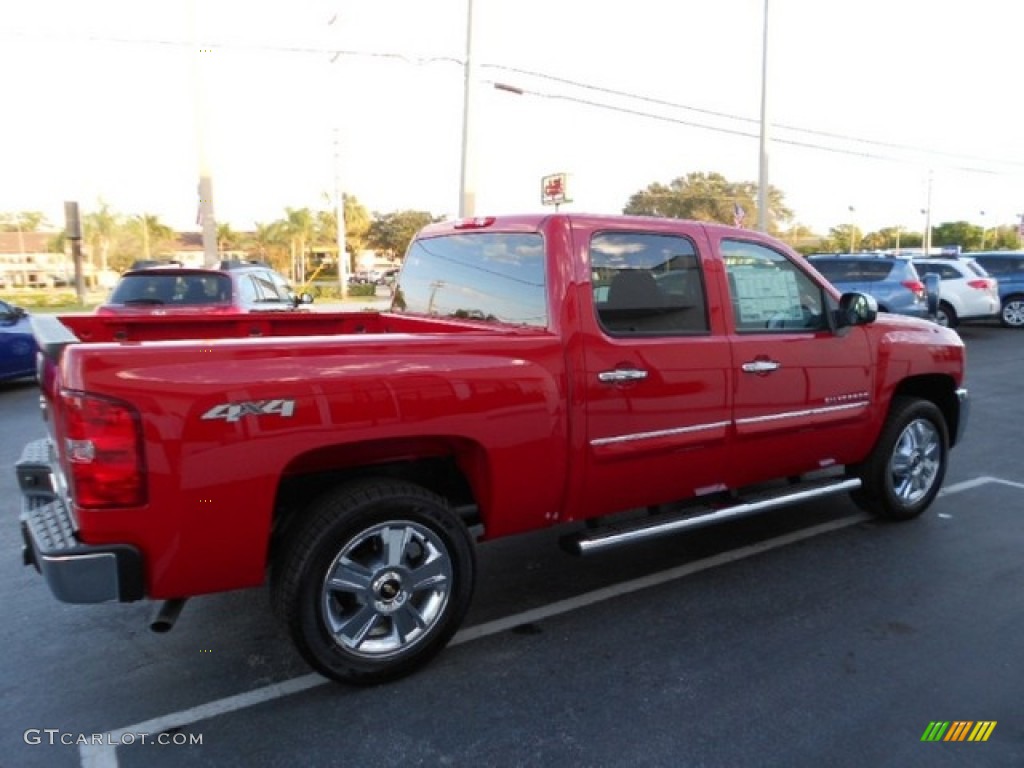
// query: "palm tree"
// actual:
[[227, 238], [100, 230], [300, 226], [154, 233]]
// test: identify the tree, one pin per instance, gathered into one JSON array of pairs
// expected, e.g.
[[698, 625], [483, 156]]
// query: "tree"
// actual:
[[153, 234], [357, 223], [391, 233], [1005, 238], [101, 228], [846, 237], [23, 221], [960, 233], [227, 238], [707, 197], [270, 244], [300, 227]]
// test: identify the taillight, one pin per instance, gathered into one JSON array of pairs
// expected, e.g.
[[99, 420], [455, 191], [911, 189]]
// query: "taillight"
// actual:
[[982, 284], [102, 444], [915, 286]]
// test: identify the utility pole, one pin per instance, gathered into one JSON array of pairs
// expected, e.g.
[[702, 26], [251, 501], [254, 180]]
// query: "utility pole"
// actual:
[[762, 179], [467, 185], [73, 230], [339, 212], [205, 217]]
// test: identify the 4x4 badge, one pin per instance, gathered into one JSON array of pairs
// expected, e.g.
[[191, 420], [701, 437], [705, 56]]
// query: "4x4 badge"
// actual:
[[235, 411]]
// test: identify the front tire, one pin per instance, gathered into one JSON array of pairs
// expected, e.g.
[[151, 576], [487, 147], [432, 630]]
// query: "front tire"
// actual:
[[374, 581], [904, 472]]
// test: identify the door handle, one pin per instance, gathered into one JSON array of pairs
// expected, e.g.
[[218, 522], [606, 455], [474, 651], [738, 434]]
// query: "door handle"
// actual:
[[761, 366], [620, 375]]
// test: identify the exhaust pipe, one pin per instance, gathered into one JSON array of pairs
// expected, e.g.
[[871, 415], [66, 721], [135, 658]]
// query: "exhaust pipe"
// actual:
[[166, 614]]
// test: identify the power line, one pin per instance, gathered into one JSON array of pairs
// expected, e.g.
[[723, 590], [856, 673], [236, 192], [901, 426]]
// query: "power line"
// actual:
[[735, 131], [429, 60], [739, 118]]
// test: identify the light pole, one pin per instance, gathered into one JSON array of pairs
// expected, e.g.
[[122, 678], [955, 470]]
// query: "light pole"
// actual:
[[339, 196], [853, 230], [926, 241], [982, 248], [762, 176]]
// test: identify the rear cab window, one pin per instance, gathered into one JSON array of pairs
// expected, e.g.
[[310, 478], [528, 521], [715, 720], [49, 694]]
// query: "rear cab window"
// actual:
[[497, 277]]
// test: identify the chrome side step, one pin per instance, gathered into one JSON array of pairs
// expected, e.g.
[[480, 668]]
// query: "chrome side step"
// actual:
[[590, 541]]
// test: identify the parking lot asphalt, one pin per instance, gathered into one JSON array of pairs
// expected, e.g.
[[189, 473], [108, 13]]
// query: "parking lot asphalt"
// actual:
[[804, 636]]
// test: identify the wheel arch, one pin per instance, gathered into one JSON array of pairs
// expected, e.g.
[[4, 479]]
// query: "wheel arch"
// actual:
[[454, 468], [939, 389]]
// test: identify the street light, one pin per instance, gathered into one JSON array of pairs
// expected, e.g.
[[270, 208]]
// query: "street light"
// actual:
[[982, 248], [853, 230], [926, 241], [339, 195]]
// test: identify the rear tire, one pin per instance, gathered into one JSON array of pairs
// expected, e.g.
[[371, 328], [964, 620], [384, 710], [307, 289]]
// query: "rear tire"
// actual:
[[1012, 315], [904, 472], [946, 316], [374, 581]]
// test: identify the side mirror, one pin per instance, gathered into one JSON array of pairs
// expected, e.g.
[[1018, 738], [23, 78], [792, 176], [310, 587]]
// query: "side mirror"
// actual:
[[305, 298], [856, 309], [932, 284]]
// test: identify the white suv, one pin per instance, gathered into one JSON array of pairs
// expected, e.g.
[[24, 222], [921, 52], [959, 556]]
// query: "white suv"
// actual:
[[967, 291]]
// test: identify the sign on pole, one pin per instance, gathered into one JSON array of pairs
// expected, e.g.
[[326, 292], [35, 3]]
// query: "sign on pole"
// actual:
[[554, 189]]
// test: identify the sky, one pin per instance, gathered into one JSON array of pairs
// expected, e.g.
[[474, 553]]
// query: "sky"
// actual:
[[877, 109]]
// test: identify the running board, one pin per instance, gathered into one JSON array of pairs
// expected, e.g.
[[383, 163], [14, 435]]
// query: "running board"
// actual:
[[590, 541]]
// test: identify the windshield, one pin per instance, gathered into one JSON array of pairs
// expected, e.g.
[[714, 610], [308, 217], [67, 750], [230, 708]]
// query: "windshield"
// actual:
[[496, 277]]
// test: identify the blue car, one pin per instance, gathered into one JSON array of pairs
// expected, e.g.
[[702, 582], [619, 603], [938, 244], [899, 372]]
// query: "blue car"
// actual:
[[1008, 268], [891, 280], [17, 345]]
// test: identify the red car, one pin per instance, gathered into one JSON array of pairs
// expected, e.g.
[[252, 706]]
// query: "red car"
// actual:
[[235, 287]]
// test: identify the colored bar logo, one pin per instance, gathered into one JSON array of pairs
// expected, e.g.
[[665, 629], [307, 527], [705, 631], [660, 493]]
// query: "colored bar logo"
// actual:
[[959, 730]]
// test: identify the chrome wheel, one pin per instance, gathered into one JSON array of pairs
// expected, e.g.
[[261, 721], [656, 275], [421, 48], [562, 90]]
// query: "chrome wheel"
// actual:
[[1013, 313], [916, 461], [904, 471], [373, 579], [386, 589]]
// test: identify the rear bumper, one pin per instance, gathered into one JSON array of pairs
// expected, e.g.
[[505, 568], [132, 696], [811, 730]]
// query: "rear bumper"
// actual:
[[75, 572]]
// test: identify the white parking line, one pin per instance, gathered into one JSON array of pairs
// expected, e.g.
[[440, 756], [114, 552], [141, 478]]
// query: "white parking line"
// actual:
[[104, 755]]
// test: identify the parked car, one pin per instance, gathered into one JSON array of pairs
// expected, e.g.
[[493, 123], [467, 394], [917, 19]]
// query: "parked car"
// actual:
[[966, 293], [17, 344], [235, 287], [1008, 268], [891, 280]]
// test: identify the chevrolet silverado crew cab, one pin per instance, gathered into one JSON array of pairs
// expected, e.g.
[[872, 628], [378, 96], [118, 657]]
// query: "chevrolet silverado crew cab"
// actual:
[[619, 377]]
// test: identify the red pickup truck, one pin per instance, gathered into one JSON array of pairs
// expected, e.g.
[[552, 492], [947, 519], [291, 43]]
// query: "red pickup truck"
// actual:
[[643, 375]]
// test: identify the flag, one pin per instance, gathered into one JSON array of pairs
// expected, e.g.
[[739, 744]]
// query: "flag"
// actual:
[[738, 214]]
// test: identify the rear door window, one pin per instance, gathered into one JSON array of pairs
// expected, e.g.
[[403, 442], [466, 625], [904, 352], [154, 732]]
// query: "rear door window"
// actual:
[[647, 284]]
